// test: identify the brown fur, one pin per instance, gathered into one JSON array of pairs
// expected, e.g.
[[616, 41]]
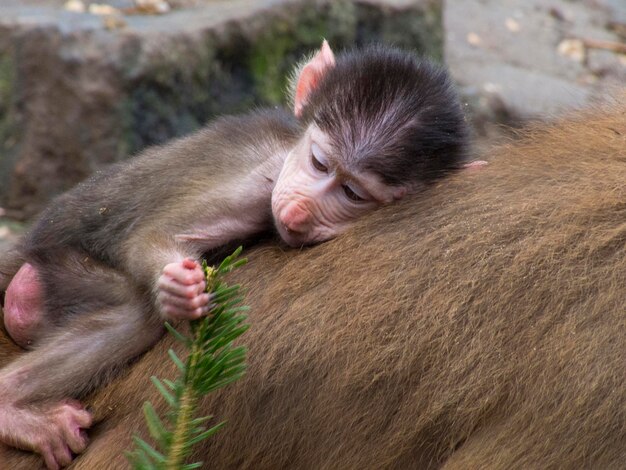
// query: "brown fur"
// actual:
[[481, 325]]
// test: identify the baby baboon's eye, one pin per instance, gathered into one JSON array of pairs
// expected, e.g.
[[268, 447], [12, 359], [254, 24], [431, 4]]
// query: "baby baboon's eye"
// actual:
[[318, 158], [319, 166], [350, 194]]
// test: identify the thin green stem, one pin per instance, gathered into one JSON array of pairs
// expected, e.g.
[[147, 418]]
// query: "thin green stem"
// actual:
[[180, 437], [188, 399], [211, 363]]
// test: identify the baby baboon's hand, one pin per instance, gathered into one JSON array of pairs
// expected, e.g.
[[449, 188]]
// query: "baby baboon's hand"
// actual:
[[181, 291]]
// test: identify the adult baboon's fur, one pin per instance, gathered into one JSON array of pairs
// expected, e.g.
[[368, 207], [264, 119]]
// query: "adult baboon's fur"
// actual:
[[481, 325]]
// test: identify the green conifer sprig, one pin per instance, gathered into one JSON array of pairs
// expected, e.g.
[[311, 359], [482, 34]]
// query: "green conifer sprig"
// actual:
[[212, 363]]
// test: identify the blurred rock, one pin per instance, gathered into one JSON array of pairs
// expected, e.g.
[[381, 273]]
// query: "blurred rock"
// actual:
[[10, 231], [78, 92], [519, 60]]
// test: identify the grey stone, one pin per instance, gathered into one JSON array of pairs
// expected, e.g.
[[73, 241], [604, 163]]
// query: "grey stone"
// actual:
[[504, 54]]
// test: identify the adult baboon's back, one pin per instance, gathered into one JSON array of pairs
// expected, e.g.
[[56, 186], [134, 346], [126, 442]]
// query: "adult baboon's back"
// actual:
[[481, 325]]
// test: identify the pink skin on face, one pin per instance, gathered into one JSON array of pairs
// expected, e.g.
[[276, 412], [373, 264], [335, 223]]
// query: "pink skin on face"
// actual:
[[182, 291], [316, 197], [295, 218]]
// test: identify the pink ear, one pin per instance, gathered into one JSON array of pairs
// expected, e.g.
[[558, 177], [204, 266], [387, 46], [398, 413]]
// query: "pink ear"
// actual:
[[310, 76]]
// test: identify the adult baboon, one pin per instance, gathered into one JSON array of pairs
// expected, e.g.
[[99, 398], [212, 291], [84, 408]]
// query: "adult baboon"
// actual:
[[480, 325]]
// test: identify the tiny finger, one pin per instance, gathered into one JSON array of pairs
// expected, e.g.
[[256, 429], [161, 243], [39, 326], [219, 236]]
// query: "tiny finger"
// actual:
[[182, 275], [171, 286], [49, 459], [84, 419], [184, 302], [183, 314], [62, 454], [77, 440], [190, 263]]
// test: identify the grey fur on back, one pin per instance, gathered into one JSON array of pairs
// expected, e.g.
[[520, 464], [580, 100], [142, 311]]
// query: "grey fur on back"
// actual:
[[98, 214]]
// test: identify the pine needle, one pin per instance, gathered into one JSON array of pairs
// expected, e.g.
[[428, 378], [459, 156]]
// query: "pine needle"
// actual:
[[212, 363]]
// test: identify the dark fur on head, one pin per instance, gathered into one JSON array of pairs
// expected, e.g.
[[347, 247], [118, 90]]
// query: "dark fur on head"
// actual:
[[391, 113]]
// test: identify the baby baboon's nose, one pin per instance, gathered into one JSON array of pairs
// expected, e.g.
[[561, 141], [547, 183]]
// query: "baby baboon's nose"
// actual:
[[295, 217]]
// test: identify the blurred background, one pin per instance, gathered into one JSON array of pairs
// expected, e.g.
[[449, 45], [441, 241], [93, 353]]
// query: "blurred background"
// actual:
[[85, 83]]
